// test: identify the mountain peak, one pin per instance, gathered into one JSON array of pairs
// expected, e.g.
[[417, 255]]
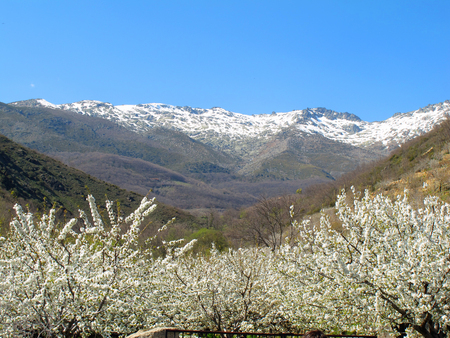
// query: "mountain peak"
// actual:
[[316, 113], [34, 103]]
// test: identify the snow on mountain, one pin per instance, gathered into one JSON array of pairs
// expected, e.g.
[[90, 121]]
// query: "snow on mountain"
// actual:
[[45, 103], [400, 127], [227, 130]]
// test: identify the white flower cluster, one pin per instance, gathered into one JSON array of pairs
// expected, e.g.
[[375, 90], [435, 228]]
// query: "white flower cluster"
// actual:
[[384, 264], [231, 291], [58, 282]]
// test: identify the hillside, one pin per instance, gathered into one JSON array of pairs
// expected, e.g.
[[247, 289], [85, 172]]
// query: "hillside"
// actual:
[[68, 137], [146, 178], [40, 182], [29, 177], [53, 130], [179, 170], [422, 166]]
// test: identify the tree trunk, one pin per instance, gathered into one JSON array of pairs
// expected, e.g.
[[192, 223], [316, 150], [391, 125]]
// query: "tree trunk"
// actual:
[[427, 329]]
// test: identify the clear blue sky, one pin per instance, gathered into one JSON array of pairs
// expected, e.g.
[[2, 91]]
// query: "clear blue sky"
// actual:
[[369, 58]]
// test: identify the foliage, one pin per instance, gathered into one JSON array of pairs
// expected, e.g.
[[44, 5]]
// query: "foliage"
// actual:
[[205, 238]]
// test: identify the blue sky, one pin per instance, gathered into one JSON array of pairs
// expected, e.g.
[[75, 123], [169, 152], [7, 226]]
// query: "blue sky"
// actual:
[[369, 58]]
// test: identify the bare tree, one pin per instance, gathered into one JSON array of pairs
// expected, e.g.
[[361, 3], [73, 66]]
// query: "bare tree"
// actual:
[[268, 222]]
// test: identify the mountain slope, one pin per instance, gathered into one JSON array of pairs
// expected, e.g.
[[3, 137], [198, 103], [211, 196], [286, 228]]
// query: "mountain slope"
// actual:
[[305, 156], [166, 185], [230, 131], [36, 179], [53, 130], [421, 166], [250, 137], [67, 136]]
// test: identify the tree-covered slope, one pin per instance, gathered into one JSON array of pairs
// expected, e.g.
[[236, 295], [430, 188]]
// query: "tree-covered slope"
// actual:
[[30, 177], [39, 182], [166, 185]]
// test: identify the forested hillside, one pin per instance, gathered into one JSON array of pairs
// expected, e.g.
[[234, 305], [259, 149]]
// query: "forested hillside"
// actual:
[[40, 182]]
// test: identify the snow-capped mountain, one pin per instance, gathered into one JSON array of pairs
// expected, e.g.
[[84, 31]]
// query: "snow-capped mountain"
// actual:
[[229, 157], [231, 132]]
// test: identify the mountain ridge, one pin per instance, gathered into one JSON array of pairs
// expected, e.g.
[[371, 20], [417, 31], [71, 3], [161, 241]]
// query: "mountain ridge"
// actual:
[[234, 129]]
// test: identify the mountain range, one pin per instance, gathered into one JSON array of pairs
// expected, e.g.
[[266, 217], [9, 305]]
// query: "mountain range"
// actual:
[[209, 158], [232, 132]]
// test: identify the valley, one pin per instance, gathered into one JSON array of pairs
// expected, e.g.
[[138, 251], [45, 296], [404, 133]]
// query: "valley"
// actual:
[[265, 238], [209, 158]]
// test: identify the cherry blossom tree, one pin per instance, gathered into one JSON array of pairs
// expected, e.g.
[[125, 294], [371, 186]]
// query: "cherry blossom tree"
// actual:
[[58, 282], [230, 291], [385, 265]]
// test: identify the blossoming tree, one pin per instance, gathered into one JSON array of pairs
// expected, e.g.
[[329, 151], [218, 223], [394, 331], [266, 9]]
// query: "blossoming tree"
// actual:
[[386, 264], [57, 282], [230, 291]]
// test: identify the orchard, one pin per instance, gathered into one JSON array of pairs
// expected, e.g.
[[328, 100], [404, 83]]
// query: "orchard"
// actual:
[[379, 265]]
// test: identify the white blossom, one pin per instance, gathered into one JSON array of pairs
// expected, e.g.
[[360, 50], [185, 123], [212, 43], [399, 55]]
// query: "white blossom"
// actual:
[[389, 264], [385, 263], [57, 282]]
